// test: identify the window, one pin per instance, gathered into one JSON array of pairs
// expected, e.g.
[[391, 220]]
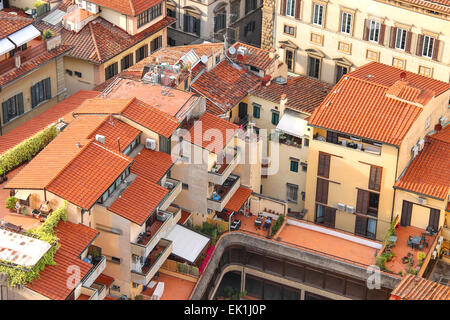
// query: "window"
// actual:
[[191, 24], [69, 72], [313, 67], [374, 30], [250, 5], [78, 74], [249, 27], [332, 137], [111, 70], [400, 39], [141, 53], [306, 142], [372, 55], [398, 63], [340, 71], [292, 192], [149, 15], [275, 117], [303, 195], [304, 166], [425, 71], [127, 61], [256, 111], [156, 44], [325, 216], [235, 6], [346, 22], [316, 38], [289, 59], [40, 92], [318, 14], [365, 227], [289, 30], [344, 47], [428, 46], [367, 202], [322, 191], [294, 165], [220, 21], [12, 108], [290, 8], [323, 168], [433, 221], [185, 186], [171, 13]]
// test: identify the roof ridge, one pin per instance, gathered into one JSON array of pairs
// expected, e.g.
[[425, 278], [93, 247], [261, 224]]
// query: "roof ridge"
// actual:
[[105, 148], [152, 108], [91, 31]]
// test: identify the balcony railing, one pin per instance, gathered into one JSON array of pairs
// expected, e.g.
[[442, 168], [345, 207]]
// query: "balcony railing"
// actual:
[[89, 293], [95, 272], [353, 144], [175, 187], [101, 290], [154, 261], [225, 165], [223, 193]]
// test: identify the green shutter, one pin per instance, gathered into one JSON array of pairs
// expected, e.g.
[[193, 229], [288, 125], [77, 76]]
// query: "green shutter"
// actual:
[[20, 102], [33, 96], [48, 89], [256, 112], [5, 112]]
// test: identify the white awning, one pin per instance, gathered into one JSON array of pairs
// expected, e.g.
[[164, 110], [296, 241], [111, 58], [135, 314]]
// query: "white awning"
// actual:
[[186, 243], [24, 35], [22, 194], [292, 124], [6, 46]]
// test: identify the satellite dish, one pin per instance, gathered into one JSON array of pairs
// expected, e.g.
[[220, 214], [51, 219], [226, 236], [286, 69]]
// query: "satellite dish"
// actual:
[[204, 59], [232, 50]]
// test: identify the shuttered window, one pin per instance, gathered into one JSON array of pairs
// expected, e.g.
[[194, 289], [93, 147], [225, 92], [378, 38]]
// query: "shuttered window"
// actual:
[[322, 191], [323, 169], [127, 61], [40, 92], [156, 44], [111, 70], [13, 107], [375, 178], [434, 219], [362, 201], [325, 216], [141, 53]]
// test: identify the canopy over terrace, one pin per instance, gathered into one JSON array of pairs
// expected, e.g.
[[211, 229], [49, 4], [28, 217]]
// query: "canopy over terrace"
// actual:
[[187, 244]]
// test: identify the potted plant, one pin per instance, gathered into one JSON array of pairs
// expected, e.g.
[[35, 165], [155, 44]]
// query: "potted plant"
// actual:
[[11, 203]]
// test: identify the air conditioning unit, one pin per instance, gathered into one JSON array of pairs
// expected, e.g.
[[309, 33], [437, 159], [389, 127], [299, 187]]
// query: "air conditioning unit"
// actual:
[[100, 138], [422, 200], [242, 51], [150, 144], [421, 144], [168, 185], [414, 151], [442, 120], [350, 209], [92, 7], [441, 239], [341, 207]]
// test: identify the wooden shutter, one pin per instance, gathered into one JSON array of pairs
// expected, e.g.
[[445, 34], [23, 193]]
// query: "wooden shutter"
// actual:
[[361, 225], [322, 191], [329, 217], [375, 178], [406, 213], [434, 219], [366, 30], [297, 9], [419, 45], [20, 103], [48, 88], [392, 37], [5, 112], [408, 41], [362, 201], [381, 35], [436, 50], [283, 8], [324, 165], [33, 96]]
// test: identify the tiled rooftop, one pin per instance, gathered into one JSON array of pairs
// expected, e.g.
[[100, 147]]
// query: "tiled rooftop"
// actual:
[[130, 8], [429, 172], [256, 57], [237, 200], [74, 238], [151, 165], [417, 288], [10, 23]]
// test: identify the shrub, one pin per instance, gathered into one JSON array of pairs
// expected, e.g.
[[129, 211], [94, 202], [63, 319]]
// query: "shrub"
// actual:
[[277, 224], [381, 262], [47, 34], [26, 150], [11, 203], [421, 255]]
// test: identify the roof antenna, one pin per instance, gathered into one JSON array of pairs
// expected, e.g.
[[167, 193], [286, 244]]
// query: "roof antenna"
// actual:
[[118, 142], [110, 120]]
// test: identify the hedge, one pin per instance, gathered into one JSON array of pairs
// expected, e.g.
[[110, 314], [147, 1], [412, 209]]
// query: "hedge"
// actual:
[[27, 149]]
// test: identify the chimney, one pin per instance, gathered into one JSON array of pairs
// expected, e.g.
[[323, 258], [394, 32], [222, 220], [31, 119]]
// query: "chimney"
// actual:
[[271, 53], [403, 76], [283, 102], [17, 60]]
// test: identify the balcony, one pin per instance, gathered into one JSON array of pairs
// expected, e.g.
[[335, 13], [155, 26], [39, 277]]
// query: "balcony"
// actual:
[[225, 164], [99, 267], [87, 293], [174, 187], [164, 222], [101, 290], [223, 193], [143, 269], [352, 143]]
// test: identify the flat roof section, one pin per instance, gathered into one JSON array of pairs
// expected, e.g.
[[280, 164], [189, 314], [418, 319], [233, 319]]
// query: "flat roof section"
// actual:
[[186, 243]]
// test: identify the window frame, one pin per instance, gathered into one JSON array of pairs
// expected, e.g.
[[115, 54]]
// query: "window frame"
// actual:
[[315, 14], [347, 24], [375, 32]]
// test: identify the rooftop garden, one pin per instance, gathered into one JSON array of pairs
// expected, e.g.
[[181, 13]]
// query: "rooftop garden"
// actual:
[[18, 275]]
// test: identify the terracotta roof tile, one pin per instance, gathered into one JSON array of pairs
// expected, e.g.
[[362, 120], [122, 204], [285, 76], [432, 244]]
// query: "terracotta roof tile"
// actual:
[[435, 5], [225, 84], [10, 23], [74, 238], [107, 281], [416, 288], [215, 132], [128, 7], [51, 115], [139, 200], [89, 175], [103, 106], [429, 172], [151, 165], [256, 57], [303, 93], [237, 200]]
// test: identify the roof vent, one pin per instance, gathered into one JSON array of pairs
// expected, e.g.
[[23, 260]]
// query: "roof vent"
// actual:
[[280, 80], [100, 138]]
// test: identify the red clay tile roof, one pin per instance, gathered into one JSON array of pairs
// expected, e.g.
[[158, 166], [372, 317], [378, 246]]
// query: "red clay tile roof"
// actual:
[[429, 172], [225, 84], [51, 115], [238, 199], [139, 200], [128, 7], [151, 165], [74, 238], [256, 57], [416, 288], [10, 23], [103, 106], [84, 180], [32, 63], [215, 132], [112, 129], [359, 106], [52, 281], [435, 5], [107, 281], [303, 93]]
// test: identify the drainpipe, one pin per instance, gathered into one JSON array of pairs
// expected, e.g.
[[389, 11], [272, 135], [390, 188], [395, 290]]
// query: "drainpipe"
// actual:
[[393, 199]]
